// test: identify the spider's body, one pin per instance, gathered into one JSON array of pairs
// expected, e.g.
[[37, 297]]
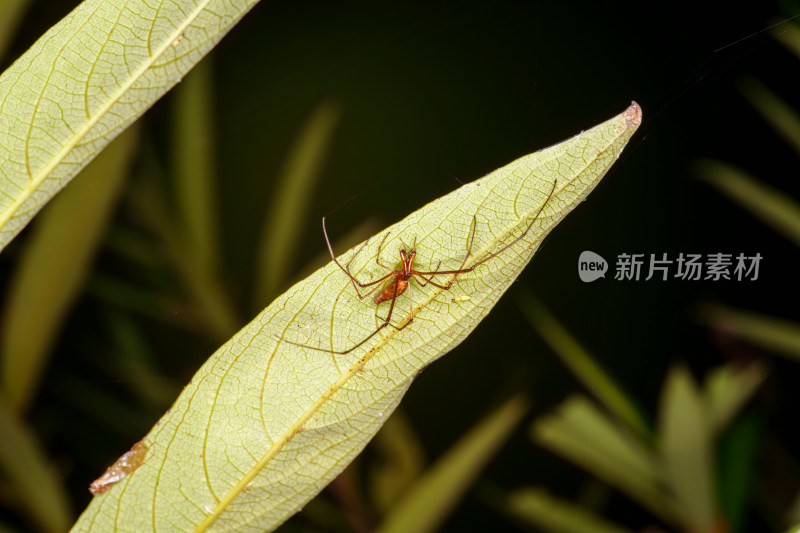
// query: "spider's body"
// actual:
[[399, 283]]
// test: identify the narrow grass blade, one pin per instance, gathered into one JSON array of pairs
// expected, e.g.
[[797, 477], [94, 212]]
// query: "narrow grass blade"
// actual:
[[26, 475], [778, 114], [194, 164], [272, 416], [788, 34], [53, 268], [554, 515], [11, 12], [771, 333], [87, 79], [401, 461], [288, 209], [582, 364], [583, 434], [774, 208], [685, 442], [430, 500], [206, 291], [728, 388]]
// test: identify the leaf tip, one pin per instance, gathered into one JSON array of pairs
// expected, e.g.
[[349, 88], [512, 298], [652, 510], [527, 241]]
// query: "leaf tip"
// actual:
[[633, 115]]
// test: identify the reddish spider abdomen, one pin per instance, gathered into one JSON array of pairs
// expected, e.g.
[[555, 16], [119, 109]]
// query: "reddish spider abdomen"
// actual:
[[388, 291]]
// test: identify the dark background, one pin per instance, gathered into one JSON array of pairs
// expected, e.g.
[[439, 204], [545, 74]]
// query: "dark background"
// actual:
[[434, 94]]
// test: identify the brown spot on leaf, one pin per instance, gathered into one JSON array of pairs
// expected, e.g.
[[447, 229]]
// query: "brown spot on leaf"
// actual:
[[130, 461]]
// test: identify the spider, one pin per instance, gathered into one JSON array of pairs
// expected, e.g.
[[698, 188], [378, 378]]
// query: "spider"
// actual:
[[396, 281]]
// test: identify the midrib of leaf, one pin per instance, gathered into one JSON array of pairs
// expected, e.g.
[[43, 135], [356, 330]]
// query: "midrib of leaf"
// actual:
[[295, 428], [37, 179]]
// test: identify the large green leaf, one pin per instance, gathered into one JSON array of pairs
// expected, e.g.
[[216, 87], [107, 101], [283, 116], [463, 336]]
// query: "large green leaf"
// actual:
[[87, 79], [265, 424]]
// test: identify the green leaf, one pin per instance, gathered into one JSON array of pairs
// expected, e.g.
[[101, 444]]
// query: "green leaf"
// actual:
[[208, 297], [194, 164], [535, 506], [583, 365], [283, 225], [771, 333], [53, 268], [793, 514], [430, 500], [86, 80], [788, 34], [774, 208], [728, 388], [33, 483], [685, 438], [781, 116], [401, 459], [11, 12], [586, 436], [265, 424]]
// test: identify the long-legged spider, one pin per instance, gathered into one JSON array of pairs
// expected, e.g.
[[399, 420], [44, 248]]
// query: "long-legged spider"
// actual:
[[399, 279]]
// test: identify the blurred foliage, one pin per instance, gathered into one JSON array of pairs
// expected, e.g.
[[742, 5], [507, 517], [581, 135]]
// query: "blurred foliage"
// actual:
[[772, 207], [671, 471], [300, 110]]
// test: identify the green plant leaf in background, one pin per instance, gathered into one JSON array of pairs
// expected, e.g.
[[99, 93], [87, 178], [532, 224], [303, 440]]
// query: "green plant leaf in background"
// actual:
[[194, 166], [402, 460], [582, 364], [787, 34], [428, 502], [771, 333], [780, 115], [727, 388], [291, 200], [537, 507], [773, 207], [584, 434], [673, 476], [209, 300], [265, 424], [85, 80], [43, 290], [28, 477], [686, 445], [11, 12]]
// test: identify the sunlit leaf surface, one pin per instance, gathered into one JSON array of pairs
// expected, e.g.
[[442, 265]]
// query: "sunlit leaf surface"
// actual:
[[87, 79], [265, 424]]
